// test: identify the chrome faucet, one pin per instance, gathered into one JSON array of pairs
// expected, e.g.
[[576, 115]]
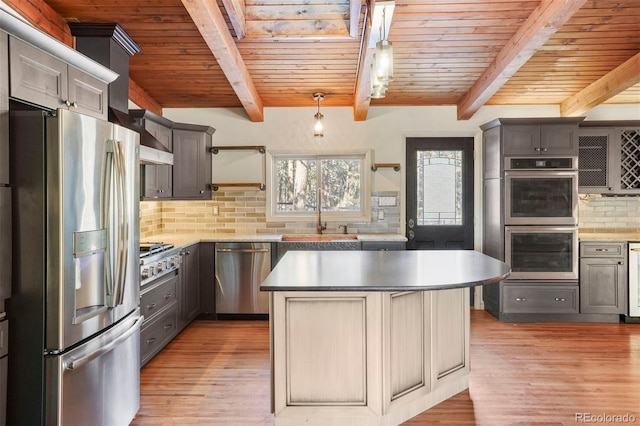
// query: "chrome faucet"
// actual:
[[319, 226], [344, 228]]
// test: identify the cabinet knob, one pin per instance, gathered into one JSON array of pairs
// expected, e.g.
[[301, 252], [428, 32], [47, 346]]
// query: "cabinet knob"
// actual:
[[521, 299], [202, 191], [544, 149], [560, 299], [151, 306], [151, 340], [168, 326], [536, 149], [168, 296]]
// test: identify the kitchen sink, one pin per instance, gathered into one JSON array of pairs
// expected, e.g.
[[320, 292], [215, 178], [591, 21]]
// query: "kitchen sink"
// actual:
[[320, 237]]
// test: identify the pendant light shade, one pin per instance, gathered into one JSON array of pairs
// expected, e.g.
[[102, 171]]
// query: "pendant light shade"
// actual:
[[318, 125], [384, 61], [382, 67]]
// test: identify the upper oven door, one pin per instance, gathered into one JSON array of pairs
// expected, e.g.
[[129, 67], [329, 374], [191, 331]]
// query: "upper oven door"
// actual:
[[541, 197]]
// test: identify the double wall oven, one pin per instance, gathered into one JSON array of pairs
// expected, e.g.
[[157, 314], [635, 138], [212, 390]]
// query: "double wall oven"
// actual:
[[541, 218]]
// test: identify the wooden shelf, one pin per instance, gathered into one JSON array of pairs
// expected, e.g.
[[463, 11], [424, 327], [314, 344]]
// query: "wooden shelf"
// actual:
[[261, 186], [376, 166], [260, 148]]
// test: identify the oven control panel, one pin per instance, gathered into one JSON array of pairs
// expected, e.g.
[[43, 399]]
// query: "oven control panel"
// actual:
[[158, 265]]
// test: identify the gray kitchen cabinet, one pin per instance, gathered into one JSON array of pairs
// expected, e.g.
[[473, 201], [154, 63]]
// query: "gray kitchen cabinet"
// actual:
[[603, 278], [609, 158], [207, 279], [384, 245], [540, 299], [189, 285], [159, 305], [42, 79], [155, 179], [540, 139], [192, 161]]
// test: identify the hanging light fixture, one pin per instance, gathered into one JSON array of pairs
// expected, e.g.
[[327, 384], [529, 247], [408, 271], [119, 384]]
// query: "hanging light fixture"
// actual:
[[384, 54], [318, 125], [382, 66]]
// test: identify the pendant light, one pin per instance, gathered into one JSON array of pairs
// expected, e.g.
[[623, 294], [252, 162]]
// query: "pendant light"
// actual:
[[318, 125], [384, 54], [382, 65]]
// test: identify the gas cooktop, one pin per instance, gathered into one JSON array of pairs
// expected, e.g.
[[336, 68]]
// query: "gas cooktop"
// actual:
[[148, 249]]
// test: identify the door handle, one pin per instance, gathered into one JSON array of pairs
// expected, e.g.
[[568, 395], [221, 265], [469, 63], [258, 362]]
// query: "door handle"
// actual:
[[77, 363]]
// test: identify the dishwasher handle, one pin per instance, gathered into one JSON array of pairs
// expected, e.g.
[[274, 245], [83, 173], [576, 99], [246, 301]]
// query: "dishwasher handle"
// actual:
[[224, 250]]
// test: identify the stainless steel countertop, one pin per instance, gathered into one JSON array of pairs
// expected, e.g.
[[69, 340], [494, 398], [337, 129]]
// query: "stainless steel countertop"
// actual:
[[383, 270]]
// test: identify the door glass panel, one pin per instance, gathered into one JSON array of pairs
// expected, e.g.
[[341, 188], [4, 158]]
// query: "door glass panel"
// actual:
[[542, 252], [439, 188]]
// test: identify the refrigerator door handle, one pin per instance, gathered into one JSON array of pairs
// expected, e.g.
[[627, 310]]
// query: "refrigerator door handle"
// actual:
[[121, 228], [77, 363], [124, 223], [107, 217]]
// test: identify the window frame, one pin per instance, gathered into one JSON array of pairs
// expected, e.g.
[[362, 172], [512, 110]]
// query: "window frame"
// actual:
[[272, 214]]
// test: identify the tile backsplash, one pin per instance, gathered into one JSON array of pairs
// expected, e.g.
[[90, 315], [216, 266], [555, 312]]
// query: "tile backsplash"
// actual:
[[244, 212], [610, 214]]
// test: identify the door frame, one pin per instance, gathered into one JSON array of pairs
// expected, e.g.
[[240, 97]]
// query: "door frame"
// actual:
[[477, 189]]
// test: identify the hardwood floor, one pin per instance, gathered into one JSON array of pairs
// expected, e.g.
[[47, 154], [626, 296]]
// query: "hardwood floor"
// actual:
[[217, 373]]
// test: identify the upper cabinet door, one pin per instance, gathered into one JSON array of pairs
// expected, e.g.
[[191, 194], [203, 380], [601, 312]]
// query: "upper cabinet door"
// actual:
[[87, 94], [559, 139], [36, 76], [521, 139], [191, 164]]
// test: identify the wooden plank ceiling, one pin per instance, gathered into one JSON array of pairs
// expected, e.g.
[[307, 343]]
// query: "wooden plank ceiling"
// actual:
[[468, 53]]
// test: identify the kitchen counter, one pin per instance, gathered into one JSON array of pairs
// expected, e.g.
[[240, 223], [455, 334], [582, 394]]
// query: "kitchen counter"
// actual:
[[631, 236], [186, 239], [383, 271], [368, 337]]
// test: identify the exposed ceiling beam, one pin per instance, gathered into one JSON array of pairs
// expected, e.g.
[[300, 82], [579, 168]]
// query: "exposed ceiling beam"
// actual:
[[235, 9], [208, 18], [543, 22], [140, 97], [606, 87], [362, 95], [354, 17]]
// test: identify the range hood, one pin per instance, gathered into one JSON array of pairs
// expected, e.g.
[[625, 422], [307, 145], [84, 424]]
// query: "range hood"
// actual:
[[111, 46]]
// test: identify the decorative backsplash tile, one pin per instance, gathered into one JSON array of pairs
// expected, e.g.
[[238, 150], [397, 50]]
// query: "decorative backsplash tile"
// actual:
[[244, 212], [610, 214]]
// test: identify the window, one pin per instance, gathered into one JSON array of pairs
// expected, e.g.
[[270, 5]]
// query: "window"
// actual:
[[337, 182]]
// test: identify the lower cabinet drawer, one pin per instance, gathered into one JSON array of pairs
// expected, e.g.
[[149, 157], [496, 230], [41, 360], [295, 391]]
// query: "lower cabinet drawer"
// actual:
[[157, 333], [155, 297], [540, 299]]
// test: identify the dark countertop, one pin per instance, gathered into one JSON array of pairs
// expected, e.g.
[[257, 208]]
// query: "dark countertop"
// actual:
[[409, 270]]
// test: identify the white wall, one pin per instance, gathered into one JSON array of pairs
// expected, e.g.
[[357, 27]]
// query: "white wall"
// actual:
[[384, 131]]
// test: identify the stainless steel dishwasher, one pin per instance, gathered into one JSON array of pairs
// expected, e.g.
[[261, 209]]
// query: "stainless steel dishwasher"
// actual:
[[240, 269]]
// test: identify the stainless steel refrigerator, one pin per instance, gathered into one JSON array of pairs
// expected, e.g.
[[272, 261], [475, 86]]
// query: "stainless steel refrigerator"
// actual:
[[75, 322]]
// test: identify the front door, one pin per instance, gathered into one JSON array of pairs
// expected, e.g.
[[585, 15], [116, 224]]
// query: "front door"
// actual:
[[439, 193]]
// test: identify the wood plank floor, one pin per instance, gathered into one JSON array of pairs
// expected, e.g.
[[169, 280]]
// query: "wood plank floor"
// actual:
[[217, 373]]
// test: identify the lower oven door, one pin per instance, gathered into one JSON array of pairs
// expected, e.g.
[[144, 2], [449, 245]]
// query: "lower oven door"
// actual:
[[542, 252], [98, 382]]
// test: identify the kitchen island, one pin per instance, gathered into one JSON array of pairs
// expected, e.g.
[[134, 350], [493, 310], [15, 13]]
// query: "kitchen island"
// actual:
[[370, 338]]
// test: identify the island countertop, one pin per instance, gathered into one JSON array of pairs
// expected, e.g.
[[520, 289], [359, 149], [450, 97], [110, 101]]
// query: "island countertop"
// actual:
[[383, 270]]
